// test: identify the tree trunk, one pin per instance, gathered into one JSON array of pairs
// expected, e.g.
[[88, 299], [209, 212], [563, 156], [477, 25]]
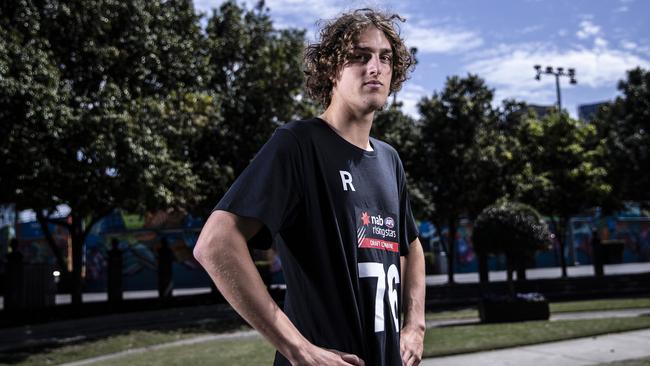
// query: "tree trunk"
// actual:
[[597, 253], [562, 233], [483, 273], [521, 272], [509, 270], [559, 228], [77, 237], [50, 241], [66, 275], [451, 249]]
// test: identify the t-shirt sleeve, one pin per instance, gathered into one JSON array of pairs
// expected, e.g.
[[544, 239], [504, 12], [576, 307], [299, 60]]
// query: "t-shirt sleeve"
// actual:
[[269, 189], [409, 228]]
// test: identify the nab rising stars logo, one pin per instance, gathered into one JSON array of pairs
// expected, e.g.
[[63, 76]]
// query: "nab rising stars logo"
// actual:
[[376, 232]]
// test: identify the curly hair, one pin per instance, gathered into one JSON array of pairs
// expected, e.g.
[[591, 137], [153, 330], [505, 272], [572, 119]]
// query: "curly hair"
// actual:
[[323, 61]]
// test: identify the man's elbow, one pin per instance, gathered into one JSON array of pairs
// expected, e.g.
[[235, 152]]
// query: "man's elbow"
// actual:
[[199, 251], [202, 251], [210, 240]]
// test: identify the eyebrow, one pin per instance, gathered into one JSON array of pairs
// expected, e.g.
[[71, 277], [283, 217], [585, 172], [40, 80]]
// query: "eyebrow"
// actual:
[[370, 49]]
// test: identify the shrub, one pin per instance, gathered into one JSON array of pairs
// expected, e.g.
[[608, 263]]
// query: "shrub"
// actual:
[[512, 228]]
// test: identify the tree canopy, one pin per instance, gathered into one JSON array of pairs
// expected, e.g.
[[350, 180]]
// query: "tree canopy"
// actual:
[[512, 228], [134, 105], [624, 126]]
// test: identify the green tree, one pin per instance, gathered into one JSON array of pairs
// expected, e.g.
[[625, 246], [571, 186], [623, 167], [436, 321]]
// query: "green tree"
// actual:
[[513, 229], [560, 172], [400, 130], [109, 104], [255, 69], [96, 64], [624, 126], [32, 110], [451, 125]]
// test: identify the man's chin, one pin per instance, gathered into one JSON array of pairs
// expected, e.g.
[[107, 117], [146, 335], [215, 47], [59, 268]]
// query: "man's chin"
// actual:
[[377, 104]]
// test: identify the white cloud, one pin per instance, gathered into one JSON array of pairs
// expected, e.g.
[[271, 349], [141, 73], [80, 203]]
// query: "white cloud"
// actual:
[[206, 6], [441, 40], [531, 29], [628, 45], [587, 29], [600, 42], [511, 71], [410, 95], [306, 11], [306, 14]]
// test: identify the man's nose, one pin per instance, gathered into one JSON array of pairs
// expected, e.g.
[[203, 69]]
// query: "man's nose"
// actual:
[[373, 66]]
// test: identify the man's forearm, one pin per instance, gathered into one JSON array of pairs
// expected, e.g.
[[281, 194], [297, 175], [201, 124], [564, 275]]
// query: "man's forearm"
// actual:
[[414, 287], [224, 254], [412, 334]]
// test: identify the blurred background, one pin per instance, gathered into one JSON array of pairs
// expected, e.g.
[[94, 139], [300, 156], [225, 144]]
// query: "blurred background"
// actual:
[[523, 132], [126, 121]]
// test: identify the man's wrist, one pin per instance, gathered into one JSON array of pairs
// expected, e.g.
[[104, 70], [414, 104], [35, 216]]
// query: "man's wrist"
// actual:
[[415, 327], [296, 350]]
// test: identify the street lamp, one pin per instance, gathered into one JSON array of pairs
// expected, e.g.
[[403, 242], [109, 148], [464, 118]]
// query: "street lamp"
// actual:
[[558, 71]]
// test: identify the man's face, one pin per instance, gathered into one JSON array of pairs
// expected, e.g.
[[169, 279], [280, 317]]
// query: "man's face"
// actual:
[[364, 83]]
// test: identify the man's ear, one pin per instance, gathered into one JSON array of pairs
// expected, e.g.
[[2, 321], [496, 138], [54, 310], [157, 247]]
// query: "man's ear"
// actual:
[[334, 83]]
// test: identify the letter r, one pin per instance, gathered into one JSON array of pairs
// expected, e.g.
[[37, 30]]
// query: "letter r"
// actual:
[[346, 179]]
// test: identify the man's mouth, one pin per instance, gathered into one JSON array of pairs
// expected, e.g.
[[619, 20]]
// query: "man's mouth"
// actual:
[[373, 83]]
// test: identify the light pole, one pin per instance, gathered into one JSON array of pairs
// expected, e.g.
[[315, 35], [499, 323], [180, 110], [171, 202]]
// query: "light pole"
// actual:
[[558, 71]]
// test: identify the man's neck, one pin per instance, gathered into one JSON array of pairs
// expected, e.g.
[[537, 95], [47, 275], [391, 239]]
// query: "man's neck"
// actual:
[[353, 127]]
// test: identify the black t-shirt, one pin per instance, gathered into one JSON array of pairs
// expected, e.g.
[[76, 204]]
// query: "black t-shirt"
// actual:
[[341, 218]]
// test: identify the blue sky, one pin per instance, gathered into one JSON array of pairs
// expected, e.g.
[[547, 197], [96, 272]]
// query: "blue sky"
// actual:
[[501, 40]]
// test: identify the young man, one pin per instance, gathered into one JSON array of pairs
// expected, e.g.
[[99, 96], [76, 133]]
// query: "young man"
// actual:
[[336, 202]]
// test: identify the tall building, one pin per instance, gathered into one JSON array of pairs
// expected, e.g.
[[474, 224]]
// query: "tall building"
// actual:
[[541, 110], [587, 112]]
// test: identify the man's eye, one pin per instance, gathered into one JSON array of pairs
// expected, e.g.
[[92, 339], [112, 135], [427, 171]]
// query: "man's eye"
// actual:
[[360, 58], [387, 58]]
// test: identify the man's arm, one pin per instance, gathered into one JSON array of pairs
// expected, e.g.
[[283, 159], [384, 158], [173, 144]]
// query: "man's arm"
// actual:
[[222, 251], [412, 334]]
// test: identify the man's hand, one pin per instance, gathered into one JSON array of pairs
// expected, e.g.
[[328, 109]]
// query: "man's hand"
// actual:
[[325, 356], [412, 334], [411, 346]]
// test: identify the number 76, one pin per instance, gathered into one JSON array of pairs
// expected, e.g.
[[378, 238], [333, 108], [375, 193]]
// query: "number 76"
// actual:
[[372, 269]]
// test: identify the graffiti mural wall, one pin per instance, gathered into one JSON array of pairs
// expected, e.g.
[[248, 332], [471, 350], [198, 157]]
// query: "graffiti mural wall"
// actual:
[[631, 234], [138, 239]]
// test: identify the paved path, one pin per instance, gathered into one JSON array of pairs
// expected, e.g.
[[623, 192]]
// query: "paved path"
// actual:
[[576, 352]]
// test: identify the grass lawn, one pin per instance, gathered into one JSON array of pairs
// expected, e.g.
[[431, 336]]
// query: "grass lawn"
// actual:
[[471, 338], [600, 305], [558, 307], [87, 349], [439, 341], [231, 353]]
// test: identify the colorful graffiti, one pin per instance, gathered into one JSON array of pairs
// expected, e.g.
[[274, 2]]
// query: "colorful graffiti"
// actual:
[[138, 239], [633, 232]]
